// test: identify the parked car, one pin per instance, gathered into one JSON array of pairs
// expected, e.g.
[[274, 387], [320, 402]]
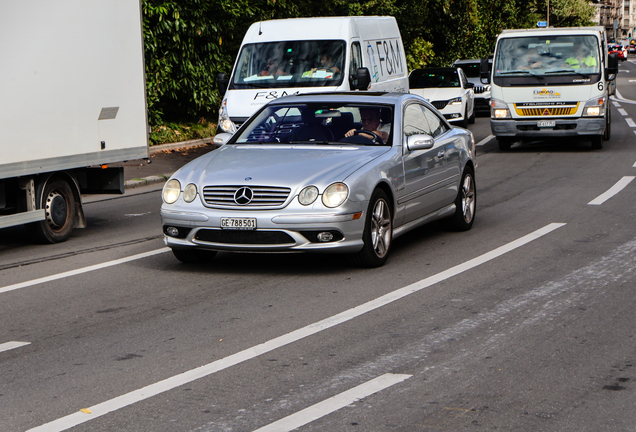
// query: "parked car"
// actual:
[[448, 90], [631, 49], [619, 50], [313, 173], [482, 91]]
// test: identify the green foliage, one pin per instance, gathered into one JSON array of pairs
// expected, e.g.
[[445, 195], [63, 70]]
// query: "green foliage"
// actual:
[[188, 42], [172, 132]]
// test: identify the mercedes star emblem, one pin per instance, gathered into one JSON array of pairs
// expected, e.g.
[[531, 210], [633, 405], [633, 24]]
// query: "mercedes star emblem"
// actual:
[[243, 196]]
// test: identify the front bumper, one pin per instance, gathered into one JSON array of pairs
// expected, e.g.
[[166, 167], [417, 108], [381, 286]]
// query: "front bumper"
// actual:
[[564, 127], [277, 231]]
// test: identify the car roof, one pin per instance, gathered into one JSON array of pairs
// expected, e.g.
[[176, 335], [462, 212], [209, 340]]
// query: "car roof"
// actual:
[[435, 69], [349, 97]]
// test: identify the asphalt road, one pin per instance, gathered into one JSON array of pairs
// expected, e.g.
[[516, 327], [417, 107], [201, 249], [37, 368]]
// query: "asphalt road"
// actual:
[[524, 323]]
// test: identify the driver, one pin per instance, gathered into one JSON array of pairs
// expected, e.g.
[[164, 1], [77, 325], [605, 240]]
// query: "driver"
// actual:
[[370, 118]]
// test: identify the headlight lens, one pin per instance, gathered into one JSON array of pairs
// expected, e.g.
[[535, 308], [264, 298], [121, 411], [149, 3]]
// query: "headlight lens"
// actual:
[[224, 119], [594, 107], [335, 195], [171, 191], [308, 195], [499, 109], [189, 193], [455, 101]]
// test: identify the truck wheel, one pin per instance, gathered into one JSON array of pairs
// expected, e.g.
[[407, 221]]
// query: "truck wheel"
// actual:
[[504, 143], [59, 204], [608, 125], [193, 256], [597, 142], [465, 204], [378, 233]]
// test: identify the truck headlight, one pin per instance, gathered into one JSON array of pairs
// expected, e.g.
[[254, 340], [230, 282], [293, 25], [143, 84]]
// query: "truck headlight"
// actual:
[[499, 109], [455, 101], [594, 107], [224, 122], [171, 191]]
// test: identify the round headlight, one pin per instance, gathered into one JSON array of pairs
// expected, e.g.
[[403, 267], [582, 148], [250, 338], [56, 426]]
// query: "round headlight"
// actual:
[[189, 193], [308, 195], [335, 195], [171, 191]]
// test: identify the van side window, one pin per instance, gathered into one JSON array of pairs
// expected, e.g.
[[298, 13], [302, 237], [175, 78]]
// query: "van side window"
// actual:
[[356, 58]]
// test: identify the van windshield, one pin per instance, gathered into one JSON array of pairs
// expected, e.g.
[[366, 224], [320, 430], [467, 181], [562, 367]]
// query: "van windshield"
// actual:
[[547, 59], [314, 63]]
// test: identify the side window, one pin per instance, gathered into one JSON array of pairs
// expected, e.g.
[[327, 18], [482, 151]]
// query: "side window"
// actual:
[[437, 126], [356, 58], [415, 121]]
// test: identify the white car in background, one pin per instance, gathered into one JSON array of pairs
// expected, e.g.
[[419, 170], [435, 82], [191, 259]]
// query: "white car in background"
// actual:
[[448, 90], [482, 91]]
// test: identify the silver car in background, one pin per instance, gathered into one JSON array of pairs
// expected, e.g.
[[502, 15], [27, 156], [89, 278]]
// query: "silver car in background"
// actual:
[[303, 175]]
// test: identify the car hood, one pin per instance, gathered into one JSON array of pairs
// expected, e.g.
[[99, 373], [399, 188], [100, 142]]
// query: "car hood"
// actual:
[[438, 93], [294, 166]]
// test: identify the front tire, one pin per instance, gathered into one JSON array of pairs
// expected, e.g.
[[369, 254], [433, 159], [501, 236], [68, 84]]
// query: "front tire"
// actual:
[[597, 142], [193, 256], [465, 204], [608, 125], [378, 233], [59, 205], [504, 143]]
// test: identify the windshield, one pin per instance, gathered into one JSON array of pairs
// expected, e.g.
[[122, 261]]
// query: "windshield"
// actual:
[[543, 58], [290, 64], [428, 78], [321, 123], [470, 69]]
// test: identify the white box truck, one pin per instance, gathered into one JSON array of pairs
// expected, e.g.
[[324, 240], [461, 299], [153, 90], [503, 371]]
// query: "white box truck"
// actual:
[[73, 101], [308, 55], [550, 83]]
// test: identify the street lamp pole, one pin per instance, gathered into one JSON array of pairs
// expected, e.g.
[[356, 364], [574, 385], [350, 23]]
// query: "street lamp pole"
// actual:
[[548, 19]]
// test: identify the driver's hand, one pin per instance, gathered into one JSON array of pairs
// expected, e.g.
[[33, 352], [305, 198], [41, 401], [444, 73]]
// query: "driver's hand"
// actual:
[[350, 133]]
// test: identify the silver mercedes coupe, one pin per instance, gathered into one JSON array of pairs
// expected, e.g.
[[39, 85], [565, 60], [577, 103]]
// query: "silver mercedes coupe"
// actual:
[[330, 172]]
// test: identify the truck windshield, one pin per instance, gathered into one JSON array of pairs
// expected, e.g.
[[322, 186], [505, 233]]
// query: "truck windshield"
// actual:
[[303, 63], [548, 59]]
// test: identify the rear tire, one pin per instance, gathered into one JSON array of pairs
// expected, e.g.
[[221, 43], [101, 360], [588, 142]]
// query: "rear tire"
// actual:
[[193, 256], [59, 204], [378, 233], [465, 204]]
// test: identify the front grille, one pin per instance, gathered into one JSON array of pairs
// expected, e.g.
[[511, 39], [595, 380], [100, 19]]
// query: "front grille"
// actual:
[[544, 112], [480, 89], [440, 104], [244, 237], [264, 196]]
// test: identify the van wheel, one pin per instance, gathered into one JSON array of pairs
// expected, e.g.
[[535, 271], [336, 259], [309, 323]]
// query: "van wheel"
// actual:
[[504, 143], [193, 256], [378, 233], [59, 204]]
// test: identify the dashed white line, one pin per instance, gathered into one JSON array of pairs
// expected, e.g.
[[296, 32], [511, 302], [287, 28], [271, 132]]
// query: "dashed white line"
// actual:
[[175, 381], [81, 270], [619, 186], [630, 122], [12, 345], [616, 104], [622, 111], [485, 140], [334, 403]]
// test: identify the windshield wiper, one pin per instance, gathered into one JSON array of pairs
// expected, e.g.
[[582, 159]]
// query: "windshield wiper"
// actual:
[[568, 71], [520, 72]]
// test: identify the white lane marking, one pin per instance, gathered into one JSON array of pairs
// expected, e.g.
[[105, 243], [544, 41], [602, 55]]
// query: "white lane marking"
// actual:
[[81, 270], [634, 166], [485, 140], [622, 111], [619, 186], [630, 122], [334, 403], [175, 381], [620, 97], [616, 104], [12, 345], [632, 80]]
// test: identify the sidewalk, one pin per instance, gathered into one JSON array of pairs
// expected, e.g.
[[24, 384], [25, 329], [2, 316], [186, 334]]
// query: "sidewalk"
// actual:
[[165, 160]]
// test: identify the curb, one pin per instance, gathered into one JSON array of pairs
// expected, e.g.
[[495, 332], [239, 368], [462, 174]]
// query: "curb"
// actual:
[[130, 184]]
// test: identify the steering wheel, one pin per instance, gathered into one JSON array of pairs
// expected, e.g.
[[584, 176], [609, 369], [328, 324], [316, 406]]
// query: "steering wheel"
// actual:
[[376, 138], [326, 69]]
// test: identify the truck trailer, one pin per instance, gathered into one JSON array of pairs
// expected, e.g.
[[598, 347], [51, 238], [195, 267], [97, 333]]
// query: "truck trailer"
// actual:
[[73, 101]]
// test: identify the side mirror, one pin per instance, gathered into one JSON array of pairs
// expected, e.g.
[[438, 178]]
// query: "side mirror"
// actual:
[[221, 139], [419, 142], [612, 67], [485, 68], [361, 80], [469, 85], [222, 81]]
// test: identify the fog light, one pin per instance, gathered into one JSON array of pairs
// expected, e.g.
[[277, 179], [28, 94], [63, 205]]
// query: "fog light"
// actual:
[[172, 231], [325, 236]]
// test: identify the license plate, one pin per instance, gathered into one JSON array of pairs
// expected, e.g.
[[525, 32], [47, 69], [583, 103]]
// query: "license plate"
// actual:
[[238, 223], [546, 123]]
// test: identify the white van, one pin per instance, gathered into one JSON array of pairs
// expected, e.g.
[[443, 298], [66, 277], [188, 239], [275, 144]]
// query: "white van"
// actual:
[[309, 55]]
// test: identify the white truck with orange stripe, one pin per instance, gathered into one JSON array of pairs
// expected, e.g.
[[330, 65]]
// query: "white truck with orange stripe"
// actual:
[[550, 83]]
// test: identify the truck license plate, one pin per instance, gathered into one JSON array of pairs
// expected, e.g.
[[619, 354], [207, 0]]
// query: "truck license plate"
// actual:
[[546, 123], [238, 223]]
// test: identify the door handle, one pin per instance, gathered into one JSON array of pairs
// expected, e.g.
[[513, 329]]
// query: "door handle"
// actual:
[[440, 154]]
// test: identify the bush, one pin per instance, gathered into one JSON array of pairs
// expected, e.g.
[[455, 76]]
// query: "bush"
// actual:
[[172, 132]]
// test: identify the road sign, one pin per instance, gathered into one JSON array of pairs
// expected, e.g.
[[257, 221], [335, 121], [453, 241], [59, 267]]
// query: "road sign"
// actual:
[[542, 24]]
